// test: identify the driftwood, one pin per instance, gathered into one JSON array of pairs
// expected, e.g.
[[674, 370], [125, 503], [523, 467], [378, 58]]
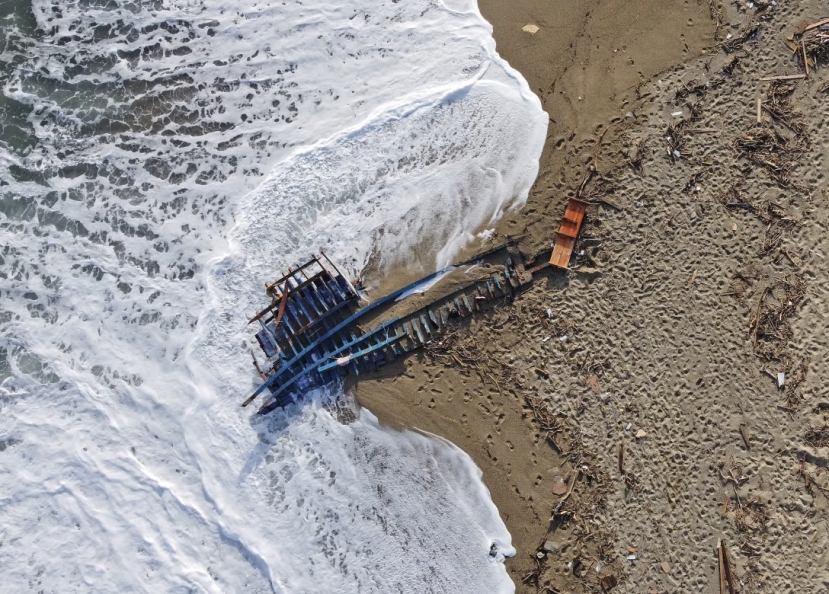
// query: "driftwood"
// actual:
[[771, 151], [744, 435], [783, 77], [816, 25], [726, 577]]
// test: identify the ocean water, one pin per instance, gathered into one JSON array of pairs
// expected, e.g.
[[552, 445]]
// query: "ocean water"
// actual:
[[159, 161]]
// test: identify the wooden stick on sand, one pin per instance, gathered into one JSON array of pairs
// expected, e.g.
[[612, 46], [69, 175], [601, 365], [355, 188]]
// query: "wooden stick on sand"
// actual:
[[726, 579], [622, 458], [744, 435], [816, 25], [783, 77]]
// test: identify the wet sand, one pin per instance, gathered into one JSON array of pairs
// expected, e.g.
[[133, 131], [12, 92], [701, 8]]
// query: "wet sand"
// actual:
[[655, 376]]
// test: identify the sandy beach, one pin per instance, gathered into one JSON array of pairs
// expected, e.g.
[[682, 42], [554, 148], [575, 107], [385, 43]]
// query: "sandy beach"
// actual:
[[665, 394]]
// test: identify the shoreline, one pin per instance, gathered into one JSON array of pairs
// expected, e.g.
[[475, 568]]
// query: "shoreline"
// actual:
[[650, 403], [496, 431]]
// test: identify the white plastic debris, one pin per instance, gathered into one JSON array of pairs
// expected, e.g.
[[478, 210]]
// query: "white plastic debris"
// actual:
[[677, 114], [563, 338], [781, 379], [631, 557], [629, 425], [677, 154], [549, 312], [546, 339]]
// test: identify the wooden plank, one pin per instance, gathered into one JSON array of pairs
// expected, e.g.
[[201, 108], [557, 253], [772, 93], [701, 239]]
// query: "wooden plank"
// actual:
[[562, 251], [458, 307], [289, 291], [351, 288], [417, 330], [568, 232], [575, 210], [327, 315], [434, 319], [425, 324], [293, 272], [365, 352], [556, 257], [356, 340], [569, 228], [816, 25]]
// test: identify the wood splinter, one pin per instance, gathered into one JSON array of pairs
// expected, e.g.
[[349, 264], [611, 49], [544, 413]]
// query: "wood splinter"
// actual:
[[726, 578], [784, 77], [622, 458], [744, 435]]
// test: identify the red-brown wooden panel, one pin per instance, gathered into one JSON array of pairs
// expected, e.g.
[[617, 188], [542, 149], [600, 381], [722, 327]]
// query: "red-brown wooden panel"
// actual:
[[567, 233], [575, 211], [569, 228], [562, 251]]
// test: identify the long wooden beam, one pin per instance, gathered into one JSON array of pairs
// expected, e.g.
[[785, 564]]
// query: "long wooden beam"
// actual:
[[313, 260]]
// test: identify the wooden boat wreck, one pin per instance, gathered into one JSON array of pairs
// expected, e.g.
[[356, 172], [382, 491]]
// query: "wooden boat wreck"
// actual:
[[310, 336]]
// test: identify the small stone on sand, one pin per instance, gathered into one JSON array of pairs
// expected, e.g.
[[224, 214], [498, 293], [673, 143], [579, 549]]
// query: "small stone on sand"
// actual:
[[531, 29], [593, 382], [666, 567], [559, 486], [640, 434]]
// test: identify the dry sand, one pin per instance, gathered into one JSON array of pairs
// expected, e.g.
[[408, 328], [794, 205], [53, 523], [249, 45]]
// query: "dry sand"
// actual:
[[666, 340]]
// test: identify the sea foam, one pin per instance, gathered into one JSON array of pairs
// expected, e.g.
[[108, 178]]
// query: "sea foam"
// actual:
[[161, 160]]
